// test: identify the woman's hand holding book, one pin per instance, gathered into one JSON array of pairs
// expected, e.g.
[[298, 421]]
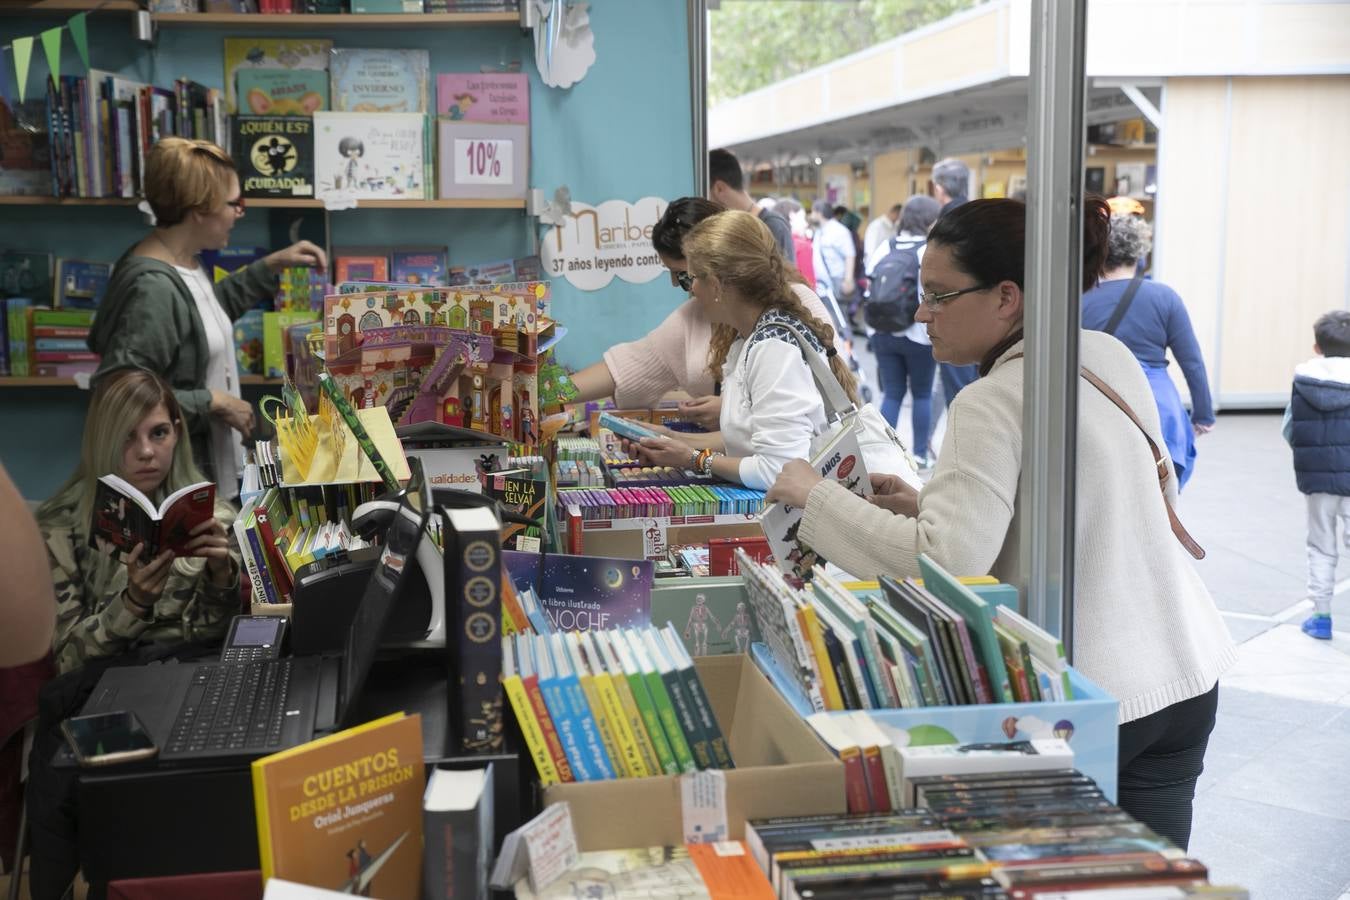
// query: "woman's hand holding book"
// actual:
[[146, 580], [209, 540]]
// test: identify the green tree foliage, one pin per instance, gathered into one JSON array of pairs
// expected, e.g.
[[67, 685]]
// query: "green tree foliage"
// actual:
[[755, 43]]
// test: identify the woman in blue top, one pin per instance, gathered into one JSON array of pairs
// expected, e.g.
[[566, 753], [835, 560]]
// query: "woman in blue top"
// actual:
[[1150, 322]]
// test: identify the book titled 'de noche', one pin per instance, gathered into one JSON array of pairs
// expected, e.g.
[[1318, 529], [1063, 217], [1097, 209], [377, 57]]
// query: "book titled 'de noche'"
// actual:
[[344, 812]]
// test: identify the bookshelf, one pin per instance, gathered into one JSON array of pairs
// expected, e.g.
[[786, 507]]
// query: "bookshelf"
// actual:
[[12, 381], [274, 203], [293, 22]]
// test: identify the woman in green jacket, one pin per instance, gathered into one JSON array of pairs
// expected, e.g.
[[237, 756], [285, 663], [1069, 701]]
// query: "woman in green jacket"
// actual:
[[106, 605], [162, 312]]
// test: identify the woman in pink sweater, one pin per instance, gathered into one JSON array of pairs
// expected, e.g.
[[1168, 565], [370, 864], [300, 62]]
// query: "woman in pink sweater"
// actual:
[[674, 355]]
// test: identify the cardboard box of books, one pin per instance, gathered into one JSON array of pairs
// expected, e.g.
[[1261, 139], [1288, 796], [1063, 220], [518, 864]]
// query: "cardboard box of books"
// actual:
[[781, 769]]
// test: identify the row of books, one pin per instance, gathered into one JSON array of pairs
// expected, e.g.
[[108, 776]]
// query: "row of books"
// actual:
[[913, 645], [40, 341], [607, 504], [267, 343], [46, 279], [284, 529], [617, 703], [330, 7]]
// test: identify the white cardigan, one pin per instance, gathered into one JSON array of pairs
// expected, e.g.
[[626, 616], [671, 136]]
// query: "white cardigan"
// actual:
[[1145, 627]]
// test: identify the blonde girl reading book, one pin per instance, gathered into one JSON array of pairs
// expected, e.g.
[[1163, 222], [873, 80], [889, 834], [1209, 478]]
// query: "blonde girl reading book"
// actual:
[[105, 603]]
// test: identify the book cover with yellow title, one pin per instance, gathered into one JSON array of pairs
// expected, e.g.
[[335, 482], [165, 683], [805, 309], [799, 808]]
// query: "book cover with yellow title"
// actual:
[[344, 812]]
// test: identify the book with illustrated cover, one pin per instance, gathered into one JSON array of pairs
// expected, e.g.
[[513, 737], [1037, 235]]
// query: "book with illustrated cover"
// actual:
[[221, 264], [517, 492], [420, 266], [25, 148], [500, 271], [275, 155], [495, 97], [26, 275], [282, 92], [124, 517], [269, 53], [840, 460], [344, 812], [368, 80], [360, 266], [376, 156], [80, 284]]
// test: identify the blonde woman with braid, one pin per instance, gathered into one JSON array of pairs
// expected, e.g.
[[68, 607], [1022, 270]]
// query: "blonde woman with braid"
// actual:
[[771, 408]]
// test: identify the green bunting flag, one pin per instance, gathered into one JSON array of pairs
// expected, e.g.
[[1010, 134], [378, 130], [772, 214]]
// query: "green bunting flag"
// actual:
[[23, 53], [79, 34], [51, 46]]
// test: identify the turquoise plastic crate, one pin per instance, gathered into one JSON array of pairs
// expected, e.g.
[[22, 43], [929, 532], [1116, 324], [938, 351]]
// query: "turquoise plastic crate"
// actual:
[[1087, 722]]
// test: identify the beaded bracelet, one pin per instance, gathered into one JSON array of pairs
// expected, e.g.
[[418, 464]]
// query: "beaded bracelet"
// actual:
[[707, 467]]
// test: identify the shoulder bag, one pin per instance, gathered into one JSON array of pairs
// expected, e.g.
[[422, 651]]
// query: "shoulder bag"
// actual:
[[883, 452], [1159, 461]]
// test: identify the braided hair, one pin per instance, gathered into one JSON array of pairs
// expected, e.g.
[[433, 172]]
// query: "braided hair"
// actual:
[[740, 251]]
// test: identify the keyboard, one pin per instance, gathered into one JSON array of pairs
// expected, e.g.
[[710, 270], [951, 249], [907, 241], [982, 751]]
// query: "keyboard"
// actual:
[[232, 708]]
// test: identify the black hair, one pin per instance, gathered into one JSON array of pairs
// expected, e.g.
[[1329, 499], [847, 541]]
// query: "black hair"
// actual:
[[681, 216], [723, 166], [988, 239], [919, 213], [348, 144], [1332, 333]]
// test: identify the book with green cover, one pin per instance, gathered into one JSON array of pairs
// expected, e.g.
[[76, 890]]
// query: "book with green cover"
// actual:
[[703, 711], [664, 705], [642, 696], [979, 618], [628, 703], [915, 643], [680, 700]]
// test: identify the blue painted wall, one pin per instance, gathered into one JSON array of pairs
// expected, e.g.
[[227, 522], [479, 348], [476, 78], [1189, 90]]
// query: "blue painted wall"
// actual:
[[623, 132]]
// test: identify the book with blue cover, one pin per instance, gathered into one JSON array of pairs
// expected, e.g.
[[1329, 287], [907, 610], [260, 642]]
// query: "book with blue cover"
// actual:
[[560, 710], [379, 80], [592, 747], [420, 266], [80, 284]]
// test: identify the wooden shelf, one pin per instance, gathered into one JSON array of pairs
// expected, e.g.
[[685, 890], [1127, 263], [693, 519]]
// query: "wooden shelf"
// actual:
[[67, 201], [303, 21], [15, 381], [62, 7], [287, 203]]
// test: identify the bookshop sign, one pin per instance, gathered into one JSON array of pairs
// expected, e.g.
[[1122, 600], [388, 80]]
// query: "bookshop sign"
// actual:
[[595, 244]]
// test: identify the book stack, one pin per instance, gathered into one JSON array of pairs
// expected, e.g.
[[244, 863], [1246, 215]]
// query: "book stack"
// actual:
[[49, 342], [1006, 835], [692, 871], [286, 528], [633, 502], [912, 645], [618, 703]]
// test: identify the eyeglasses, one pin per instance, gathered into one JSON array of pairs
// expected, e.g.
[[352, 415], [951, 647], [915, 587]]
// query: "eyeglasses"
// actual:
[[238, 205], [685, 280], [933, 301]]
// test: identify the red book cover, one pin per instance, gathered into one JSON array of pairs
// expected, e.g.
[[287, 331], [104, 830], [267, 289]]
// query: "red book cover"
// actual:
[[62, 356], [124, 517], [551, 739], [878, 795], [60, 331], [281, 573]]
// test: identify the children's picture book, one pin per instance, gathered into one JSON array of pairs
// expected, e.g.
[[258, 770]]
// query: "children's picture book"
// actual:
[[80, 284], [25, 148], [275, 155], [274, 343], [344, 812], [282, 92], [26, 275], [269, 53], [376, 156], [248, 342], [517, 492], [582, 593], [497, 271], [380, 80], [420, 266], [500, 97], [350, 265], [221, 264], [125, 517], [840, 460], [625, 428]]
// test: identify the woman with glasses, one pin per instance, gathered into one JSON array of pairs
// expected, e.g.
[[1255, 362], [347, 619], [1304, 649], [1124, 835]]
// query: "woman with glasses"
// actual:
[[162, 312], [674, 355], [1145, 627]]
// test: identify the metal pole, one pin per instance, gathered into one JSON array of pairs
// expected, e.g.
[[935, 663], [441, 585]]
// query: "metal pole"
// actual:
[[1053, 287], [698, 91]]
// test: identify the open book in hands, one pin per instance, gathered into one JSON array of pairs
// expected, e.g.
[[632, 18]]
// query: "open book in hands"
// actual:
[[124, 517]]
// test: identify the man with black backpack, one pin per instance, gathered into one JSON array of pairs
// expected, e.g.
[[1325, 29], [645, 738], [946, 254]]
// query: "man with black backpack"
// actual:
[[903, 352]]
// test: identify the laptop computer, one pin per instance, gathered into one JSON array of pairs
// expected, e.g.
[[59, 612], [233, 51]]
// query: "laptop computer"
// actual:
[[211, 712]]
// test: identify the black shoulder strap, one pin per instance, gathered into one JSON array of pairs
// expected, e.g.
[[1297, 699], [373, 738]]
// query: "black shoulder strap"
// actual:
[[1123, 306]]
